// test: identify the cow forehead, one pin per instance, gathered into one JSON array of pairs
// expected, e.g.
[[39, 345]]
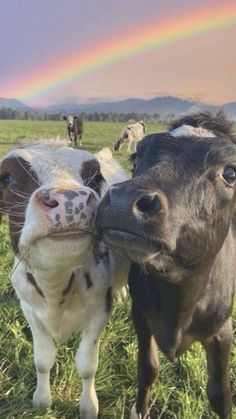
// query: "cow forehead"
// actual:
[[176, 156], [51, 163], [70, 119]]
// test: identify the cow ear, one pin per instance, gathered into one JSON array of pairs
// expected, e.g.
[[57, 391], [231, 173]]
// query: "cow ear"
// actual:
[[144, 126]]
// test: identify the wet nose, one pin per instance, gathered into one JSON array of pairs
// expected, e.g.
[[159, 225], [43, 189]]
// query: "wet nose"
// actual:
[[147, 204]]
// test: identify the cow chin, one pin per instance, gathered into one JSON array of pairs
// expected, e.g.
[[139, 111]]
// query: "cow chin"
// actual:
[[56, 253], [136, 247]]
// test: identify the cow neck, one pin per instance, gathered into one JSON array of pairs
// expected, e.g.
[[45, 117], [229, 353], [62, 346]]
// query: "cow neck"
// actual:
[[171, 306], [178, 305]]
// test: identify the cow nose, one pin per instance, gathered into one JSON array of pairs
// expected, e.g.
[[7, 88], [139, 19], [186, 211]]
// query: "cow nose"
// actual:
[[46, 199], [148, 204]]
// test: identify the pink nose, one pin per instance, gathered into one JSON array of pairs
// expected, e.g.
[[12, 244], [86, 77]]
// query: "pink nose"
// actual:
[[68, 206]]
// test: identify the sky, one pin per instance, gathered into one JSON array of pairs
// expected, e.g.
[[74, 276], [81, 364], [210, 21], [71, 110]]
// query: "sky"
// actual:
[[55, 51]]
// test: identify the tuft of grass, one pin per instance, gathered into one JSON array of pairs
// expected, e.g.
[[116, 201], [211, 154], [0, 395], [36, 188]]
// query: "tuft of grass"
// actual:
[[179, 393]]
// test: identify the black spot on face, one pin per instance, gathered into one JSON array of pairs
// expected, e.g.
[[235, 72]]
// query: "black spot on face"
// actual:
[[58, 219], [46, 195], [68, 194], [69, 207], [83, 216], [92, 176], [70, 218]]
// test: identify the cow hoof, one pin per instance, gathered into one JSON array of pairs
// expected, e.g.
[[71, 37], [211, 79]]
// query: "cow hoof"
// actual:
[[42, 400], [134, 414]]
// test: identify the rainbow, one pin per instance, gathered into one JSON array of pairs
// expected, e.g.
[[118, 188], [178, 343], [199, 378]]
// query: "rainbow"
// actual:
[[151, 37]]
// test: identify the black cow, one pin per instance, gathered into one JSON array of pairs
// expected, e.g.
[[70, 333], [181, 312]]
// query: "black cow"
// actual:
[[176, 221], [75, 128]]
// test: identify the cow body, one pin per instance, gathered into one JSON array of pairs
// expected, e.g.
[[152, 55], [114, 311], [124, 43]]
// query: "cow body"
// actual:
[[75, 128], [131, 134], [176, 221], [63, 274]]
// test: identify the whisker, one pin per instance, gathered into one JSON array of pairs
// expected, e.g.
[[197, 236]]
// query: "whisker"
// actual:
[[20, 194]]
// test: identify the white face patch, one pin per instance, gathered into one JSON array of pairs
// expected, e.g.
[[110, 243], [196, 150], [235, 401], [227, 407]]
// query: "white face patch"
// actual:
[[189, 131], [70, 120]]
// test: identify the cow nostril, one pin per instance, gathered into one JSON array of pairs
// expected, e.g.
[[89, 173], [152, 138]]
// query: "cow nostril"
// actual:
[[46, 199], [149, 204]]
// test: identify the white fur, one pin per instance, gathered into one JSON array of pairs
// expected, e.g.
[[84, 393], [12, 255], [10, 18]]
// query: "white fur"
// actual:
[[189, 131], [52, 262], [110, 167]]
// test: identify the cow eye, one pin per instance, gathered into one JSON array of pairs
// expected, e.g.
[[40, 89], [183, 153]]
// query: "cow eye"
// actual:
[[6, 178], [229, 174]]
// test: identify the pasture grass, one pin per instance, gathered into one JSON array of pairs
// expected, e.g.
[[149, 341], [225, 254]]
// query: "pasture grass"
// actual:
[[179, 392]]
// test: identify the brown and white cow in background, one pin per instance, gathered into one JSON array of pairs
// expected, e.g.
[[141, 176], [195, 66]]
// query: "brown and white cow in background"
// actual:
[[131, 134], [75, 128], [63, 274]]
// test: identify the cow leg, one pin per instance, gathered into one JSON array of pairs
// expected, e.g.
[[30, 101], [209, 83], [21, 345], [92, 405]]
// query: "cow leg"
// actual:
[[44, 358], [87, 362], [148, 365], [218, 386], [80, 140], [70, 136], [75, 141]]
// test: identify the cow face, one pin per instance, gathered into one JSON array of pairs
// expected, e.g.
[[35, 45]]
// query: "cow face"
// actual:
[[177, 209], [51, 196], [70, 120]]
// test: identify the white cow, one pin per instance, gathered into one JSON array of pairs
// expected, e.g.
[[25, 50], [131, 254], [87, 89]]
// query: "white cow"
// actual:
[[131, 134], [64, 275]]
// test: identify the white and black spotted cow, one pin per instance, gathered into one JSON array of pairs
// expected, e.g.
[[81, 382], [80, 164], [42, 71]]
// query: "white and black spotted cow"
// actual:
[[63, 274], [131, 134], [75, 128]]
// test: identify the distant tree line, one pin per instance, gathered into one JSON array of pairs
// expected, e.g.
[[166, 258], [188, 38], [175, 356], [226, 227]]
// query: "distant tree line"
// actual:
[[33, 115]]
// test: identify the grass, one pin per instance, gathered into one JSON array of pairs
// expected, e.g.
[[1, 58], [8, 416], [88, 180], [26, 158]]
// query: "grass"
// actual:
[[178, 394]]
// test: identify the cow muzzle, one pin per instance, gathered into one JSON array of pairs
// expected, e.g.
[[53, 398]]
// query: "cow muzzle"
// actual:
[[68, 209]]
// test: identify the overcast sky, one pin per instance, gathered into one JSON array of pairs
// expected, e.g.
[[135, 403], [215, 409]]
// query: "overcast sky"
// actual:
[[39, 34]]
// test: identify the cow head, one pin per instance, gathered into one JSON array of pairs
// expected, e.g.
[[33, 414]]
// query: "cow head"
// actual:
[[178, 208], [51, 195], [69, 120]]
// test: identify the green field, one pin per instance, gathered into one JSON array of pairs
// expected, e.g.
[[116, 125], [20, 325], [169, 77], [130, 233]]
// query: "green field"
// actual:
[[180, 391]]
